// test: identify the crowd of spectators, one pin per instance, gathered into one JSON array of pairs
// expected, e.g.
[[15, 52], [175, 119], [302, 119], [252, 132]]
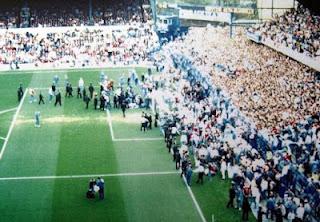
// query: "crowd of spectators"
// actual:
[[276, 179], [271, 89], [74, 46], [298, 29], [75, 13]]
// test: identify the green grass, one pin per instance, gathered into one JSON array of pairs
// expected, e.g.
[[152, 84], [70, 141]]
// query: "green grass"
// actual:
[[8, 89], [5, 122], [76, 141]]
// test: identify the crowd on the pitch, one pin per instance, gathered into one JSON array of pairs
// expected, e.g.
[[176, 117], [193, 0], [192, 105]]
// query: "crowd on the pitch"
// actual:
[[78, 47], [275, 166], [277, 174], [297, 29], [105, 95]]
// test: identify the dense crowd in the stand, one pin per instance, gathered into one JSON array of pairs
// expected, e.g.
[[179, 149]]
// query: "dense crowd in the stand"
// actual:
[[79, 46], [279, 179], [271, 89], [71, 13], [297, 29]]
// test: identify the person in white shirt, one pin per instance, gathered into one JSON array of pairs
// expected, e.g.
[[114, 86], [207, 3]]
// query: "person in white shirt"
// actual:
[[223, 168], [300, 212]]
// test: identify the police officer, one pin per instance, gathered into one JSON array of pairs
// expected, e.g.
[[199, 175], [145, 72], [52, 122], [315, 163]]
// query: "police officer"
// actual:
[[41, 98], [58, 98], [91, 90]]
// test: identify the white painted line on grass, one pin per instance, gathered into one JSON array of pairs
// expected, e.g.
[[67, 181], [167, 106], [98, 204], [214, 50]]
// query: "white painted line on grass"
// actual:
[[12, 124], [203, 219], [110, 124], [127, 139], [2, 138], [89, 176], [138, 139], [60, 87], [7, 110], [74, 69]]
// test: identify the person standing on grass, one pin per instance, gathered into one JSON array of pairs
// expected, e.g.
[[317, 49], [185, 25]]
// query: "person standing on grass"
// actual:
[[58, 98], [20, 92], [87, 100], [91, 90], [102, 103], [189, 174], [32, 94], [56, 80], [156, 119], [144, 122], [232, 195], [100, 184], [50, 93], [84, 93], [200, 174], [95, 101], [177, 159], [37, 119], [245, 209], [53, 87], [41, 98], [123, 108], [79, 93]]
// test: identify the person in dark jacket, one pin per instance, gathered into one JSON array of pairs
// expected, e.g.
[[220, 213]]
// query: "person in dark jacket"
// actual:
[[58, 98], [245, 209], [232, 195], [41, 98], [95, 101], [20, 92], [91, 90], [87, 100]]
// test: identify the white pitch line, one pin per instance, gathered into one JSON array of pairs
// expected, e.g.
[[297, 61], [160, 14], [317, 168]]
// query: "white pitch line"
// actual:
[[12, 124], [194, 200], [60, 87], [88, 176], [126, 139], [2, 138], [110, 125], [138, 139], [7, 110]]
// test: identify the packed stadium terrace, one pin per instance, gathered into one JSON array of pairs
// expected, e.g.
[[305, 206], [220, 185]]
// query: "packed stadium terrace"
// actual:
[[297, 29], [242, 108], [73, 13], [85, 46]]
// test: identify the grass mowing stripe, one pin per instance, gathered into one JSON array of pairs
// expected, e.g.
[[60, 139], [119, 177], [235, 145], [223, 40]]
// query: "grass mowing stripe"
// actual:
[[203, 219], [89, 176], [12, 124], [7, 110]]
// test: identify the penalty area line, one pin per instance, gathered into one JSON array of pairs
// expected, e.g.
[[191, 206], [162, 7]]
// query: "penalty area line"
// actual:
[[12, 124], [89, 176], [138, 139], [127, 139]]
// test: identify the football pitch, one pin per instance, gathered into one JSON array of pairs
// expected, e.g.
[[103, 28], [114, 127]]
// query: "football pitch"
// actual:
[[44, 172]]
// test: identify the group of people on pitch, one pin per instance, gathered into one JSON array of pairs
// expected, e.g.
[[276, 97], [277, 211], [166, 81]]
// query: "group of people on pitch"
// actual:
[[96, 186]]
